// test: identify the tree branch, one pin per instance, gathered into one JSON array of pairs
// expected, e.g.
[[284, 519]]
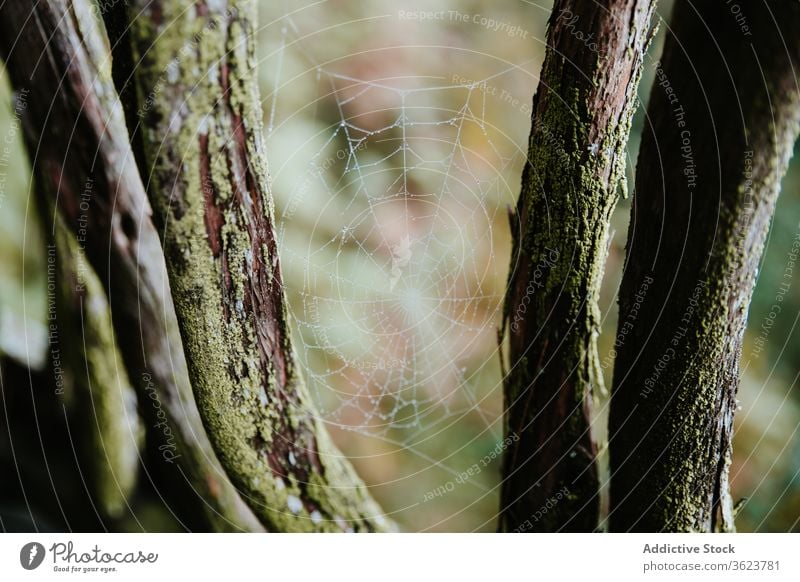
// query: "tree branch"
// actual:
[[723, 117], [192, 70], [79, 146], [581, 121], [99, 396]]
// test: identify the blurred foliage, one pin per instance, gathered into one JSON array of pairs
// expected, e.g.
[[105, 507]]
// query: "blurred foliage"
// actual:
[[22, 297]]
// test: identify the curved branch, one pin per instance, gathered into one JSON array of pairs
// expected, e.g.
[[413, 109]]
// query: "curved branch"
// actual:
[[199, 124], [79, 146], [724, 117]]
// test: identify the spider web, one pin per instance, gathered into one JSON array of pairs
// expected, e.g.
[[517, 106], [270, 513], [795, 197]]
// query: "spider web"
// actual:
[[388, 246]]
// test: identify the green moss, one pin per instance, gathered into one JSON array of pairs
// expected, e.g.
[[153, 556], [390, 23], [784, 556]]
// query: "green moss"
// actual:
[[262, 429], [572, 181]]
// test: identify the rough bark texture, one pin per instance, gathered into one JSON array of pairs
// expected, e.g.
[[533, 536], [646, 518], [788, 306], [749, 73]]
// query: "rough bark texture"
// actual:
[[723, 118], [79, 147], [200, 122], [581, 121]]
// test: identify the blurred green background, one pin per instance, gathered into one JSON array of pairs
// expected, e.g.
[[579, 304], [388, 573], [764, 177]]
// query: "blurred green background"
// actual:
[[396, 144]]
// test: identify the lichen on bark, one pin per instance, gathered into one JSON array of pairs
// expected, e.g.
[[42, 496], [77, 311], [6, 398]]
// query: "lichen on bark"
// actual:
[[581, 120], [723, 119], [197, 102], [76, 136]]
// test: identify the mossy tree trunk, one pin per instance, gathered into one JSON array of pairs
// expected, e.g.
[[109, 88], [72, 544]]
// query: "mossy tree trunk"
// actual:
[[187, 74], [722, 121], [78, 144], [581, 121]]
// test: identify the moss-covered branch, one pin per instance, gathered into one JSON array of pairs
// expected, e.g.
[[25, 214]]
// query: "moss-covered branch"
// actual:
[[79, 146], [192, 69], [581, 121], [723, 119]]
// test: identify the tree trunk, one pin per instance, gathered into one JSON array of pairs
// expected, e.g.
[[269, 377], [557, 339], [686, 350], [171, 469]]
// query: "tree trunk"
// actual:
[[199, 116], [723, 118], [581, 121], [79, 147]]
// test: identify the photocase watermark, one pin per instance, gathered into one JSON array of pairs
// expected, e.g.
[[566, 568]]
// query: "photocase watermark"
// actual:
[[680, 333], [9, 147], [548, 505], [100, 7], [492, 24], [168, 448], [625, 326], [378, 364], [536, 282], [571, 21], [474, 469], [66, 558], [31, 555]]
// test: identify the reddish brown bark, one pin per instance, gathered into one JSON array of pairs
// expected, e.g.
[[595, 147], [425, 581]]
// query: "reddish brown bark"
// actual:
[[581, 120]]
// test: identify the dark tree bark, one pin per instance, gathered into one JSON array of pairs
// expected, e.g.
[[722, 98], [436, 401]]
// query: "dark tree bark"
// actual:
[[44, 488], [78, 144], [190, 89], [98, 394], [581, 121], [723, 118]]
